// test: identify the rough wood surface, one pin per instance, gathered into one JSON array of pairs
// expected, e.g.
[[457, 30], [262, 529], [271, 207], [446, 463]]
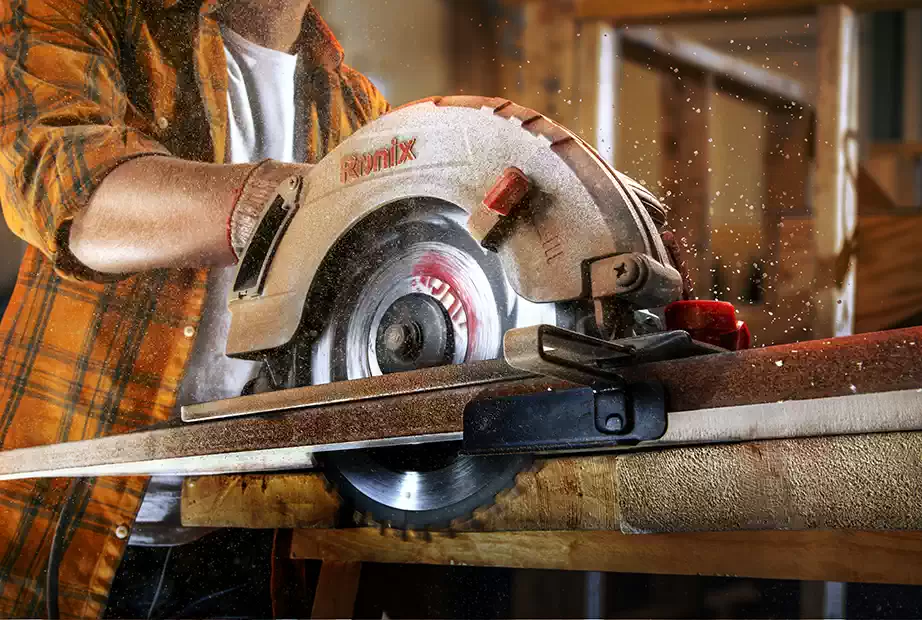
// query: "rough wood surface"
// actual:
[[337, 587], [258, 501], [869, 482], [882, 557], [566, 493], [558, 494]]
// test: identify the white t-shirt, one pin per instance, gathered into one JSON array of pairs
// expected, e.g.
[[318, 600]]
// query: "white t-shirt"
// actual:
[[261, 124]]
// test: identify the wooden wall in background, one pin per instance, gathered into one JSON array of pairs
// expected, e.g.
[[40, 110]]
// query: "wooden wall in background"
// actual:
[[889, 288], [551, 61], [835, 193], [686, 106], [474, 42]]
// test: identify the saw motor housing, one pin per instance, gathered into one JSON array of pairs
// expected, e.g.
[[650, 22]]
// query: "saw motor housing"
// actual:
[[581, 231]]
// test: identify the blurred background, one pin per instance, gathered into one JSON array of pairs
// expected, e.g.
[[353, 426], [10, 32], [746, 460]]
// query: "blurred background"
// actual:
[[714, 111], [786, 146]]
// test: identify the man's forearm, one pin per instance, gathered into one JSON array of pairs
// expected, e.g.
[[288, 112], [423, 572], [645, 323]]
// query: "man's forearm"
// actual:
[[155, 212]]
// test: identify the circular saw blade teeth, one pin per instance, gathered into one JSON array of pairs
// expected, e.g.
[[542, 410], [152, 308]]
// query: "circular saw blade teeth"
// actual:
[[423, 248], [477, 519]]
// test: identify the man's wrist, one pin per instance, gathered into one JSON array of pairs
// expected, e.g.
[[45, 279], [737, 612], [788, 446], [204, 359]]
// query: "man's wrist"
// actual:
[[253, 197]]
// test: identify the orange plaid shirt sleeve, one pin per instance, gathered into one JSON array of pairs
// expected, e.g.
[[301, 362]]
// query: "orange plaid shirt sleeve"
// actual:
[[84, 86]]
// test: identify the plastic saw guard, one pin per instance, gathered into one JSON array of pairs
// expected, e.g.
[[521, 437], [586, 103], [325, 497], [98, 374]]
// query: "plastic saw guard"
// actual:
[[454, 149]]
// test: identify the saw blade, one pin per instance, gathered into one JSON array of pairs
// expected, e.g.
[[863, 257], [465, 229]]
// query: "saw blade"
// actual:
[[415, 290]]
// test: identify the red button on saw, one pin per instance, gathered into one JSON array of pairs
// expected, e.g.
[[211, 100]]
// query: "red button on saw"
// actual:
[[713, 322], [508, 191]]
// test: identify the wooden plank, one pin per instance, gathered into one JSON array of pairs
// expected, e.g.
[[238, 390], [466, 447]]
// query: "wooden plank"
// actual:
[[563, 493], [835, 204], [578, 493], [881, 557], [658, 11], [667, 51], [889, 289], [268, 501], [685, 126], [337, 587]]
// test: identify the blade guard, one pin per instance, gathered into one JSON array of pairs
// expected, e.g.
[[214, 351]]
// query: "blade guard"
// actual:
[[579, 210]]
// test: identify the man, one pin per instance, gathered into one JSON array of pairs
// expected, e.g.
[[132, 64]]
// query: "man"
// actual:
[[130, 132]]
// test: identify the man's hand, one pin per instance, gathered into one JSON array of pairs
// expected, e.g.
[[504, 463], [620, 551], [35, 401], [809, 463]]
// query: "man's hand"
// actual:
[[156, 212]]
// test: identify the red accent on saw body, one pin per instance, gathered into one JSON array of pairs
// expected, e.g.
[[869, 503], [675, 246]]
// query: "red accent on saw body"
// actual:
[[508, 191], [713, 322], [356, 166], [433, 266]]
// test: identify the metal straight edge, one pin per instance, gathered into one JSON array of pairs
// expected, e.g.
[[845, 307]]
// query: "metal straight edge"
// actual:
[[897, 411], [262, 440], [880, 412], [251, 461], [396, 384]]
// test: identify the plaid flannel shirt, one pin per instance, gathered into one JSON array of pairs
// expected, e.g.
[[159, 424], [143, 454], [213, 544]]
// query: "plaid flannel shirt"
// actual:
[[84, 86]]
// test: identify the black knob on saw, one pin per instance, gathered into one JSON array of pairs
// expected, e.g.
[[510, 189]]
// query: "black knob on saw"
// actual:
[[415, 332]]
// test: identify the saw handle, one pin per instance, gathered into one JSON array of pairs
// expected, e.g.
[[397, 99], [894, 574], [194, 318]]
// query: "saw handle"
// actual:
[[254, 264]]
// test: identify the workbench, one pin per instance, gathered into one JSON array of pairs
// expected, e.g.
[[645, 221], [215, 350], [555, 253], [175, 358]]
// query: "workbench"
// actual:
[[570, 513], [558, 516]]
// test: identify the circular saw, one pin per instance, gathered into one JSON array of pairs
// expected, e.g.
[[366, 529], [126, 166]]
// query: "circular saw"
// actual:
[[421, 241], [414, 290]]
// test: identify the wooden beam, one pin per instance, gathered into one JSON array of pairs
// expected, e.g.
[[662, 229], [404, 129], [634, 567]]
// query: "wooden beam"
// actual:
[[909, 149], [881, 557], [561, 493], [835, 202], [873, 199], [564, 67], [686, 112], [788, 157], [656, 48], [576, 493], [337, 588], [658, 11], [267, 501], [767, 485]]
